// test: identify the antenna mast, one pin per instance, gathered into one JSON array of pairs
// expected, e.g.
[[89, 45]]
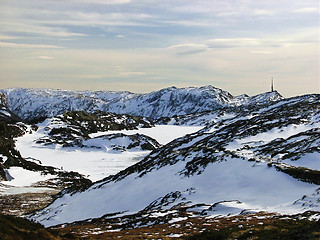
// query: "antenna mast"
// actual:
[[272, 90]]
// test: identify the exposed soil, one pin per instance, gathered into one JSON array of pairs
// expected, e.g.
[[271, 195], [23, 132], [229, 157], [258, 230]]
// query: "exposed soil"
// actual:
[[248, 226], [24, 203]]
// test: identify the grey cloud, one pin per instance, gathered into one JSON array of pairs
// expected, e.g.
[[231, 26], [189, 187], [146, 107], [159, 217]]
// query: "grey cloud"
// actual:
[[106, 2], [23, 45], [233, 42], [187, 49]]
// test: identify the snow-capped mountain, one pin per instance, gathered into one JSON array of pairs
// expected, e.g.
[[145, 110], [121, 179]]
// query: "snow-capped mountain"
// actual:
[[31, 104], [261, 159], [174, 101], [36, 103]]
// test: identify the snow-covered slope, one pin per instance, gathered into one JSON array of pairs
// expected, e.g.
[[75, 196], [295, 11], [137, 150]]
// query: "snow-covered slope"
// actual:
[[244, 162], [30, 104]]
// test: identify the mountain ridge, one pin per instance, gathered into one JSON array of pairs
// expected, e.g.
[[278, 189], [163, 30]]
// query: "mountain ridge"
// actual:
[[29, 103]]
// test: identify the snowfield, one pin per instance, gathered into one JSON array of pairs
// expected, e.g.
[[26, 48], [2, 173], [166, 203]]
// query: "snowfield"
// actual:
[[94, 163], [21, 177], [309, 160], [21, 181]]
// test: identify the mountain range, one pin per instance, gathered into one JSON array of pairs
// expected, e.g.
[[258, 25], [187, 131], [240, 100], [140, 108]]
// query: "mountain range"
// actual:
[[31, 104]]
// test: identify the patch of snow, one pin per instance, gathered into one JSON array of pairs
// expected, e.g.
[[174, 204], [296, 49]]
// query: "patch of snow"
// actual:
[[314, 217], [162, 133], [308, 160], [23, 177], [175, 235], [4, 158], [178, 219], [161, 214], [5, 113], [113, 230]]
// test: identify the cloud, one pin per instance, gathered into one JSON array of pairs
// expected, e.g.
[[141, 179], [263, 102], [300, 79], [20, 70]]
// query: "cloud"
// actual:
[[93, 76], [262, 52], [186, 49], [124, 72], [228, 14], [227, 8], [6, 37], [106, 2], [256, 45], [228, 67], [262, 12], [93, 19], [256, 42], [130, 74], [119, 68], [25, 45], [44, 57], [191, 23], [193, 8], [233, 42], [209, 39], [31, 27], [207, 7], [307, 10]]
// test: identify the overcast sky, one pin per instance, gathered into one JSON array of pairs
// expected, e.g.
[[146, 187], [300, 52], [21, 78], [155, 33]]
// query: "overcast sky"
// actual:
[[145, 45]]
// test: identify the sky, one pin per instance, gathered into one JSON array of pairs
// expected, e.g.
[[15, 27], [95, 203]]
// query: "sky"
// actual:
[[145, 45]]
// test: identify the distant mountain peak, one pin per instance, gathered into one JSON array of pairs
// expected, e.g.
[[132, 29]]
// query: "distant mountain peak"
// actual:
[[209, 87]]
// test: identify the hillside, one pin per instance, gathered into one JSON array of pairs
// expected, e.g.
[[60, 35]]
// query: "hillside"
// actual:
[[263, 159]]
